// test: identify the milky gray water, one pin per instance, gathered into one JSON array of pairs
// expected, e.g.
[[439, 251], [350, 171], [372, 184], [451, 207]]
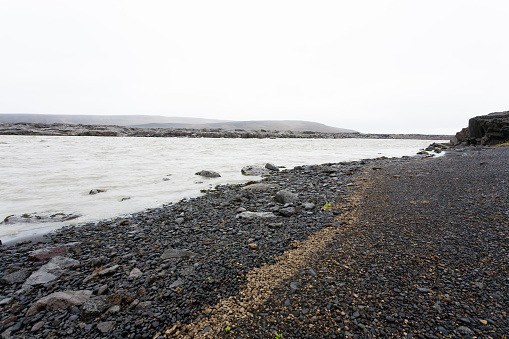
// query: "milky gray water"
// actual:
[[42, 174]]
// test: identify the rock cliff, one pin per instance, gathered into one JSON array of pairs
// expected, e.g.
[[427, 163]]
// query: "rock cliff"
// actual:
[[491, 129]]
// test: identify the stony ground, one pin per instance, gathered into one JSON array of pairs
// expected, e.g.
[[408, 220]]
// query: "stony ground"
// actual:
[[427, 256], [378, 248]]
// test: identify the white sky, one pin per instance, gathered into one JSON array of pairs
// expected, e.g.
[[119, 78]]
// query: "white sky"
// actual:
[[372, 65]]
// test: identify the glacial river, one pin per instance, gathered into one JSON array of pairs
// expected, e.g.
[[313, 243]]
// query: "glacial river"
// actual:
[[48, 175]]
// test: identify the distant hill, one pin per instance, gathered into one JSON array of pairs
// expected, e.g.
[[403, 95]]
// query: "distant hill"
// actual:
[[269, 125], [155, 121], [120, 120]]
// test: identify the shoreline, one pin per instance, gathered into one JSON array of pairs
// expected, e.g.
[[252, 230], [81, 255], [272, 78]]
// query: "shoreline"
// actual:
[[164, 268], [40, 229]]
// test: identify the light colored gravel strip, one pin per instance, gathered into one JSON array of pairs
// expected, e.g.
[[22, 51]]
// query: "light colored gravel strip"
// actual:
[[263, 280]]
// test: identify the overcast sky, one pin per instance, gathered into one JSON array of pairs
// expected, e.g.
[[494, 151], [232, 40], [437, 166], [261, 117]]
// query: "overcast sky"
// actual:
[[373, 66]]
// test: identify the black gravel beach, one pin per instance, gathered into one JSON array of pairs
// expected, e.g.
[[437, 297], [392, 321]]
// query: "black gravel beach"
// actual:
[[409, 247]]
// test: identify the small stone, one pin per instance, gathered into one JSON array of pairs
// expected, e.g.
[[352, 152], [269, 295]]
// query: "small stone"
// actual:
[[253, 245], [482, 321], [37, 326], [465, 320], [465, 330], [106, 326], [135, 273], [102, 290], [308, 206], [356, 315], [179, 221], [177, 283], [5, 301], [294, 286], [113, 309], [287, 211], [422, 289], [285, 197]]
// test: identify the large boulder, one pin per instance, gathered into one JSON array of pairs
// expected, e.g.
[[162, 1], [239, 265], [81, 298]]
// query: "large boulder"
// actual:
[[488, 129]]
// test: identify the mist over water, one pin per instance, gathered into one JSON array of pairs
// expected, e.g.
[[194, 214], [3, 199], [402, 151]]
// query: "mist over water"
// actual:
[[43, 174]]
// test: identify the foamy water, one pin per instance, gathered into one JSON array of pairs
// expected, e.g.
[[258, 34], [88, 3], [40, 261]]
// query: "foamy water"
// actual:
[[40, 174]]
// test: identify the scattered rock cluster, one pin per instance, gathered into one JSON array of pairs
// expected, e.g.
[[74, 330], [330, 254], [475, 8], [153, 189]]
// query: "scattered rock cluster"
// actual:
[[134, 277]]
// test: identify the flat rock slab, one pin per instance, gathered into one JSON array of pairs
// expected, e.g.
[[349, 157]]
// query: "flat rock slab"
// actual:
[[252, 215], [174, 253], [260, 187], [47, 253], [50, 271], [59, 301], [15, 277]]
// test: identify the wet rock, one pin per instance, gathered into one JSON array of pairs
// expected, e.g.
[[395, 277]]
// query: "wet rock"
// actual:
[[38, 218], [59, 301], [285, 197], [271, 167], [254, 170], [96, 191], [208, 174]]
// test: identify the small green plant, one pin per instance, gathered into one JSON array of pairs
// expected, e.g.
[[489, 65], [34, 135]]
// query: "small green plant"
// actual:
[[279, 336], [227, 329], [327, 207]]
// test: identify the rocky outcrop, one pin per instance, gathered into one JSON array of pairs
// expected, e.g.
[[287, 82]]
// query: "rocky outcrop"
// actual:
[[491, 129], [58, 129]]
